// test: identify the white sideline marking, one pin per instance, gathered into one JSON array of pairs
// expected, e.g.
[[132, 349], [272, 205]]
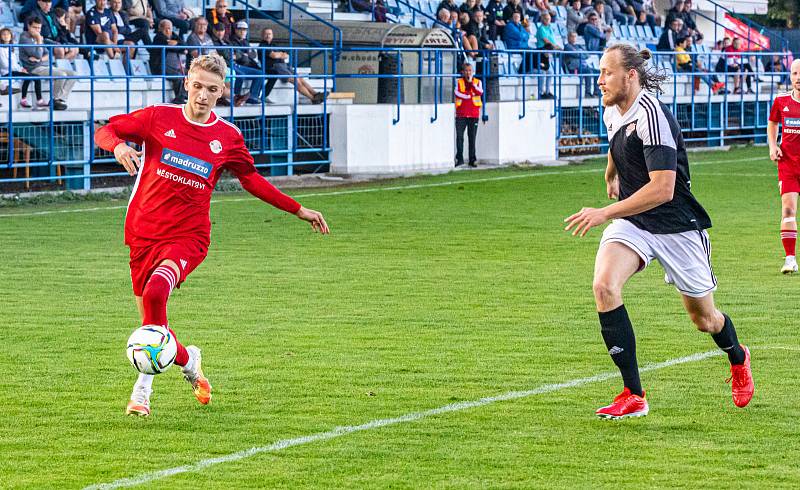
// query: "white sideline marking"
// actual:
[[375, 189], [376, 424]]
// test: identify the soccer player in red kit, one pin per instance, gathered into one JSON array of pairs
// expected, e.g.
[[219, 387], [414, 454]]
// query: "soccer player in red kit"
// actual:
[[786, 112], [167, 227]]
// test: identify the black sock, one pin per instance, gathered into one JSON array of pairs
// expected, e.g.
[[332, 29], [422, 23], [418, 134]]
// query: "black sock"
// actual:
[[727, 341], [621, 343]]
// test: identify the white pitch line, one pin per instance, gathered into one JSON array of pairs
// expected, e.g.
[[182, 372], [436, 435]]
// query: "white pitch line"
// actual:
[[379, 423], [371, 189]]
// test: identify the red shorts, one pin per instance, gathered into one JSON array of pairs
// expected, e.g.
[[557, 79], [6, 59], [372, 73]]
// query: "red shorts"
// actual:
[[788, 178], [188, 254]]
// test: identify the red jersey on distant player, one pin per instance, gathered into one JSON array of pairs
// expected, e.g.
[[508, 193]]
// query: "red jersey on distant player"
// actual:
[[182, 162], [786, 112]]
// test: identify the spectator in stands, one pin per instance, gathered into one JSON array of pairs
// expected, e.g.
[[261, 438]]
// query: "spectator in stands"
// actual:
[[546, 40], [443, 16], [468, 101], [595, 37], [516, 38], [622, 12], [76, 16], [576, 21], [376, 7], [276, 64], [43, 12], [470, 6], [245, 62], [744, 62], [170, 65], [36, 61], [447, 4], [218, 38], [221, 15], [140, 15], [31, 5], [494, 17], [682, 10], [576, 64], [478, 32], [126, 34], [64, 36], [176, 12], [9, 65], [684, 62], [729, 62], [776, 64], [512, 7], [645, 13], [469, 44], [605, 16], [101, 28], [199, 37], [669, 38]]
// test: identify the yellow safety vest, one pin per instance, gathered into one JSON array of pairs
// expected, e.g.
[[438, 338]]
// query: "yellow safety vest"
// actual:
[[462, 87]]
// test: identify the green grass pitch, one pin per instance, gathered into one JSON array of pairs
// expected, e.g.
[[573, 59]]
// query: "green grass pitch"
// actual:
[[422, 297]]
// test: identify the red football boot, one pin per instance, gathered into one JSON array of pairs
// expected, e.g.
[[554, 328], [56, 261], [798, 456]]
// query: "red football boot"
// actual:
[[626, 404], [741, 380]]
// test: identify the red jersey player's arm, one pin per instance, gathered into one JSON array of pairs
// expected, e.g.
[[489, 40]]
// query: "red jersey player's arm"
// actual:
[[240, 162], [125, 127], [775, 152]]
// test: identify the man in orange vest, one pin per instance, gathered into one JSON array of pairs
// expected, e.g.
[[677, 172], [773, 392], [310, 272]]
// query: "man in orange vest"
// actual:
[[468, 109]]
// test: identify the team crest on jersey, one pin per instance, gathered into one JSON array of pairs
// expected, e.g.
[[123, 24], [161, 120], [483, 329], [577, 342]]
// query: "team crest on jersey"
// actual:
[[185, 162], [630, 128], [215, 146]]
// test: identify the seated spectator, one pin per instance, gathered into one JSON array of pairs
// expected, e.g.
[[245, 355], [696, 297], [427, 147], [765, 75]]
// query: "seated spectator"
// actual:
[[516, 39], [513, 6], [776, 64], [221, 15], [545, 40], [167, 61], [684, 62], [11, 66], [126, 34], [245, 62], [494, 18], [43, 12], [478, 32], [198, 37], [731, 62], [101, 28], [470, 48], [76, 16], [644, 11], [376, 7], [31, 5], [575, 19], [576, 64], [443, 16], [176, 12], [220, 43], [36, 61], [470, 6], [447, 4], [622, 12], [140, 15], [669, 38], [276, 64], [595, 38], [604, 15], [64, 36]]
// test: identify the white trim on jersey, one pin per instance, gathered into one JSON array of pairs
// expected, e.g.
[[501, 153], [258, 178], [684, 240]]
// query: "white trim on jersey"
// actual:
[[652, 125], [205, 125], [230, 124]]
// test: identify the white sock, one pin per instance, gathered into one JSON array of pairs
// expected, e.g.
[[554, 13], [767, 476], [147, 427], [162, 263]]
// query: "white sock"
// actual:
[[144, 383]]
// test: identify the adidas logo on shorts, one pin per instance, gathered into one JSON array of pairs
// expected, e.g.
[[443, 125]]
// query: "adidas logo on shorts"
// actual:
[[615, 350]]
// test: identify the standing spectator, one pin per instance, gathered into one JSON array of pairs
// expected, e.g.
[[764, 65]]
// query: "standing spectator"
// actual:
[[101, 28], [126, 34], [245, 62], [595, 38], [221, 15], [168, 62], [669, 38], [276, 64], [576, 64], [64, 36], [176, 12], [140, 15], [576, 21], [494, 17], [36, 61], [198, 37], [9, 65], [468, 93]]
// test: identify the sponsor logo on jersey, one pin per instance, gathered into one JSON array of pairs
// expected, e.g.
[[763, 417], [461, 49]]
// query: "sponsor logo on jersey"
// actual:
[[170, 134], [215, 146], [185, 162], [630, 128], [791, 121]]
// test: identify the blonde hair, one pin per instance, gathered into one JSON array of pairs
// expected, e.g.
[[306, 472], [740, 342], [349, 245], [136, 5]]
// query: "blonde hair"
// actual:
[[211, 63]]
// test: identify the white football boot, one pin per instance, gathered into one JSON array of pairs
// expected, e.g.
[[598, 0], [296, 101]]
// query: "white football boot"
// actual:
[[790, 265], [139, 403]]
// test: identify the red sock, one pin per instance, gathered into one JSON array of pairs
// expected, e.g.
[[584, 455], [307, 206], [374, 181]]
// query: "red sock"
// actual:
[[154, 299], [789, 239]]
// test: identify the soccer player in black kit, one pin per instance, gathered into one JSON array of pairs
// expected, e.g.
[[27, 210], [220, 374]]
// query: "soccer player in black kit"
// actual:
[[656, 217]]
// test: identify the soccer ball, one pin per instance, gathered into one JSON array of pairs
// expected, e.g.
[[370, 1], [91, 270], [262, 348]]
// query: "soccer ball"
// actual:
[[152, 349]]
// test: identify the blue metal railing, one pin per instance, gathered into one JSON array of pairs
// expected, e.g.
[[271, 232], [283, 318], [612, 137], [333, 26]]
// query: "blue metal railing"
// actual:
[[705, 117]]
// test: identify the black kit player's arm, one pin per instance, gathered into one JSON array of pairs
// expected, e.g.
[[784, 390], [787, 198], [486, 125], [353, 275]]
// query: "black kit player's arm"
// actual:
[[612, 181]]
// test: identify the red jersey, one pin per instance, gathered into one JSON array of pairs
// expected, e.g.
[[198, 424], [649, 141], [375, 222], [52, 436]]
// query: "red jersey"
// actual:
[[786, 112], [182, 162]]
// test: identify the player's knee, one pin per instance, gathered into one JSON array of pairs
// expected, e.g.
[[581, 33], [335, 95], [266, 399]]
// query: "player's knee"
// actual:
[[605, 292], [789, 212], [705, 323]]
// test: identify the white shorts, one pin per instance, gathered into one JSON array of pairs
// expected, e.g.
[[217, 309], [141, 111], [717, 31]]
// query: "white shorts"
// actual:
[[685, 257]]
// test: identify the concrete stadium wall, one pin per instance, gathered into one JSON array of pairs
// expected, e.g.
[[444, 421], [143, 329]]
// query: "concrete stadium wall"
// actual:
[[364, 140]]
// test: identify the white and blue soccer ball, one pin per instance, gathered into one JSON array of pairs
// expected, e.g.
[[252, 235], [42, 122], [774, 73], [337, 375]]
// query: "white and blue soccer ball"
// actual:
[[152, 349]]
